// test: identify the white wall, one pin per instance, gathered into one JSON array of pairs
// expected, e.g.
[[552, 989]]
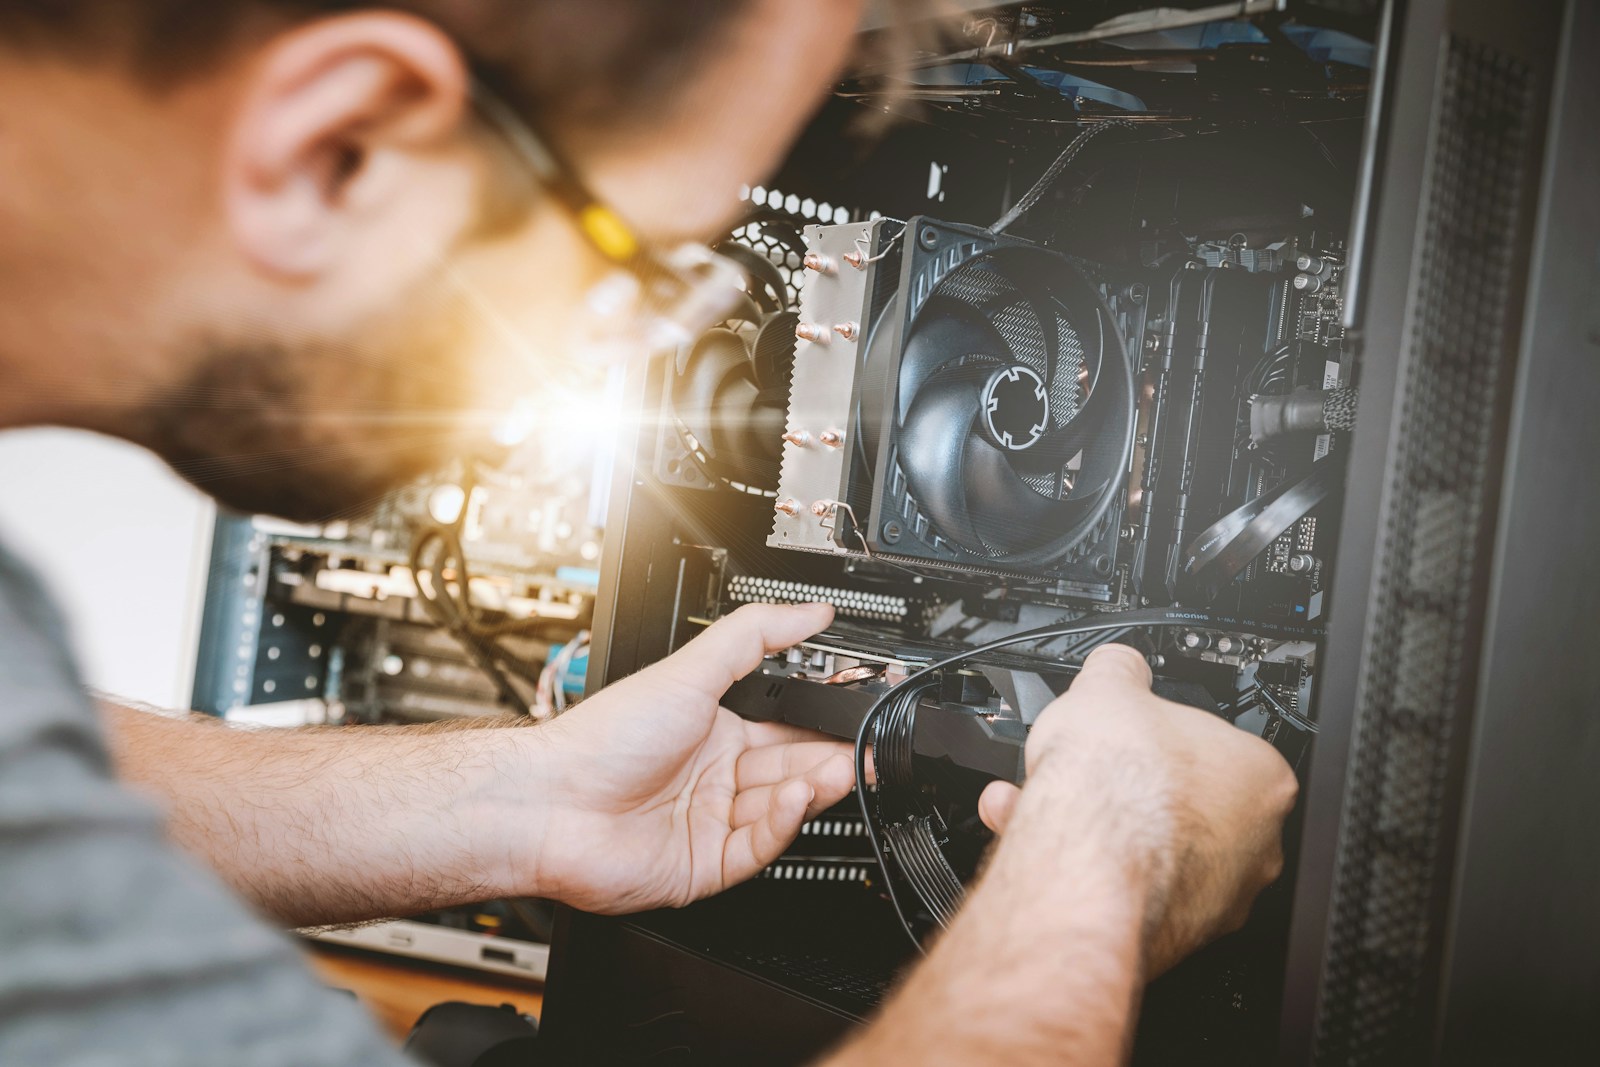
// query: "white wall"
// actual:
[[123, 544]]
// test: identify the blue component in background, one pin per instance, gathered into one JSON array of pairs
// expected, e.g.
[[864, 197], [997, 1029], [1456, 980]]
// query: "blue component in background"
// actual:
[[588, 577], [1070, 86], [577, 671]]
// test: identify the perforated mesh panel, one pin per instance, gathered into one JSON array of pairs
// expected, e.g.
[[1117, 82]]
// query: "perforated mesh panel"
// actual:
[[1418, 684], [768, 240]]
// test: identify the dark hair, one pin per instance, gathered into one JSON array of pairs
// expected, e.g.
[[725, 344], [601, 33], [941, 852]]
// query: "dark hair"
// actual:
[[572, 63]]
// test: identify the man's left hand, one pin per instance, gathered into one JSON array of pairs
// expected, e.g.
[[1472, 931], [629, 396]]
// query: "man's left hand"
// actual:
[[659, 796]]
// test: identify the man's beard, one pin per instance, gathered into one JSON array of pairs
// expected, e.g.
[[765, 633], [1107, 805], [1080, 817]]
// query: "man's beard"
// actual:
[[310, 432]]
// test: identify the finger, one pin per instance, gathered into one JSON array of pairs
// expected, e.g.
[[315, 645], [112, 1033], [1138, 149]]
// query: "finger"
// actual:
[[774, 763], [1116, 665], [996, 803], [750, 805], [831, 781], [734, 645], [780, 733], [753, 847], [766, 734]]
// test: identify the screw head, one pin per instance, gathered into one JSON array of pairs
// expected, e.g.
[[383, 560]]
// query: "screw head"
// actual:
[[928, 238], [892, 532]]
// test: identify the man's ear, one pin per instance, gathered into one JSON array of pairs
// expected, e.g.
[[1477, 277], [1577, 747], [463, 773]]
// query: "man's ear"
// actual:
[[333, 113]]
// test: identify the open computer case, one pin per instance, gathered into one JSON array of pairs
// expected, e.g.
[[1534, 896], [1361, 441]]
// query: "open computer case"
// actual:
[[1293, 364]]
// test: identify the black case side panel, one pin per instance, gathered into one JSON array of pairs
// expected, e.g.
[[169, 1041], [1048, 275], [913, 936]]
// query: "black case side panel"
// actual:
[[1458, 191], [1521, 980]]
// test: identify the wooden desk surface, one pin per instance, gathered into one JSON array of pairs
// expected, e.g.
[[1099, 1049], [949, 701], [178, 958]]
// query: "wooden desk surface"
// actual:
[[398, 990]]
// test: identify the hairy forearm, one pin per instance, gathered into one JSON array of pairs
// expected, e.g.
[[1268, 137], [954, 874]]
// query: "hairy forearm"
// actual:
[[1018, 978], [334, 825]]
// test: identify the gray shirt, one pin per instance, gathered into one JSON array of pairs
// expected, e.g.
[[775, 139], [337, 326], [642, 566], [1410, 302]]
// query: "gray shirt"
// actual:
[[115, 948]]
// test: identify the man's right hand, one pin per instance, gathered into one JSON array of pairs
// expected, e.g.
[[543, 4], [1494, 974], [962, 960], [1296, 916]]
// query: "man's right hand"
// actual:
[[1193, 806]]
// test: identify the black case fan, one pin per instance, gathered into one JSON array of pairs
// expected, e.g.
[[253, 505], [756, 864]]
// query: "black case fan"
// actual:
[[729, 389], [1013, 413]]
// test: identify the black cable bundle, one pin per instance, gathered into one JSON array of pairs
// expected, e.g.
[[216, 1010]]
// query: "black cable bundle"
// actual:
[[892, 733], [908, 822]]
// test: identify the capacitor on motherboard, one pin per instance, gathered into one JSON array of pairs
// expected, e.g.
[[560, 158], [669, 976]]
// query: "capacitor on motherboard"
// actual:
[[1302, 563], [1195, 641], [1310, 264], [1308, 283]]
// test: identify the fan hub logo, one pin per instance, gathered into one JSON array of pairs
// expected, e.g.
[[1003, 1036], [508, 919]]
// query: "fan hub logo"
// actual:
[[1016, 408]]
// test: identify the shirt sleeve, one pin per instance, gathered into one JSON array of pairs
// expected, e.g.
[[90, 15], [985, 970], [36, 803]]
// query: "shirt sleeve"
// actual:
[[115, 948]]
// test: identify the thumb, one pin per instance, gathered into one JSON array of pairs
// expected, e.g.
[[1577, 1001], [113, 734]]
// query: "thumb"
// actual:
[[1114, 665], [996, 803], [734, 645]]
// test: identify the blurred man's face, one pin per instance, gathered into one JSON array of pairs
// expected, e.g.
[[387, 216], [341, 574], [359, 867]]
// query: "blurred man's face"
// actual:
[[315, 272]]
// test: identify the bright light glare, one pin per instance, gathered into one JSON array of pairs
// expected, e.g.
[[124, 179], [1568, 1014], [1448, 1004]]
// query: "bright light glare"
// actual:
[[582, 419], [445, 503], [518, 423], [565, 422]]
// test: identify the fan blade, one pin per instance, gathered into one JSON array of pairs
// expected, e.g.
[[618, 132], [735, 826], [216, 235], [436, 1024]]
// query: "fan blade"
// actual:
[[944, 330], [1058, 447], [767, 286], [1006, 513], [1098, 429], [930, 450], [717, 355], [744, 310], [1031, 292], [748, 435]]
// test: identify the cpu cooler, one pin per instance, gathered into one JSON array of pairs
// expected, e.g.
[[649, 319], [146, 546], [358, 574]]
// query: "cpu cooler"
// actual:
[[989, 405], [1004, 406]]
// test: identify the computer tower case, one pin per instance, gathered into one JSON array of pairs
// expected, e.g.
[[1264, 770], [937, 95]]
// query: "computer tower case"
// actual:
[[1383, 212]]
